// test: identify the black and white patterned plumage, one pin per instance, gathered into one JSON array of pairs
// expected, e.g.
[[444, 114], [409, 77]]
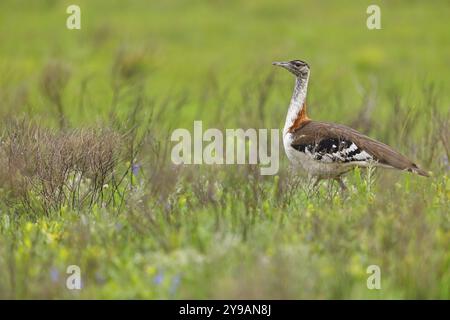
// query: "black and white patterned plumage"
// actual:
[[333, 150]]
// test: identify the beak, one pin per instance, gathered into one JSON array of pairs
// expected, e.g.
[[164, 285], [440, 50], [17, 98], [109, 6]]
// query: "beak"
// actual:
[[281, 64]]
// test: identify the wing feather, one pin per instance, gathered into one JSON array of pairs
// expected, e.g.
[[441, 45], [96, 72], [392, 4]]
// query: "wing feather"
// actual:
[[331, 142]]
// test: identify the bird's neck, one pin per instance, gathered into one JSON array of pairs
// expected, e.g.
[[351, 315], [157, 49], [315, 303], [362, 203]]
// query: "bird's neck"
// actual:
[[297, 108]]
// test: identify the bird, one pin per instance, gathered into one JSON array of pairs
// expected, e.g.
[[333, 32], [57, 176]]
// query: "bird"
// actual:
[[328, 150]]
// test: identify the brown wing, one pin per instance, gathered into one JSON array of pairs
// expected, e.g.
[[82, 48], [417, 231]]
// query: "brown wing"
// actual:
[[338, 143]]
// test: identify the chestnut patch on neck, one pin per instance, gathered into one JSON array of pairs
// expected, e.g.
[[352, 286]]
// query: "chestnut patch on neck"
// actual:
[[301, 119]]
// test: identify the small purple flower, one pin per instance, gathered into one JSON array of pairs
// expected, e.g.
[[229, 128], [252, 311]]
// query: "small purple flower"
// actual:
[[158, 278], [135, 168], [54, 274], [175, 284], [446, 162]]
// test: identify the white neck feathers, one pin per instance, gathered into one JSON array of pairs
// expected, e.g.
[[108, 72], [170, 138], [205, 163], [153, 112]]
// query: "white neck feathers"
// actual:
[[297, 101]]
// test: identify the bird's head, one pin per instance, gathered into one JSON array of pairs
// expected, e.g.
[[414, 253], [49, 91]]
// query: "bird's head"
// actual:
[[298, 67]]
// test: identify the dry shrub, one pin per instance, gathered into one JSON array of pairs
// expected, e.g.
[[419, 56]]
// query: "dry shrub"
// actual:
[[45, 170]]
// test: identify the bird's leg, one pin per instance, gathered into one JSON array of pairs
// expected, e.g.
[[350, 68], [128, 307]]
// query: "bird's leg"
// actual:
[[316, 183], [314, 187], [341, 184]]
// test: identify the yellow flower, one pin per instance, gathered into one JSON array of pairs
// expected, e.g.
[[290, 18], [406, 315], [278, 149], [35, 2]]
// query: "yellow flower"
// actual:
[[150, 270], [28, 226]]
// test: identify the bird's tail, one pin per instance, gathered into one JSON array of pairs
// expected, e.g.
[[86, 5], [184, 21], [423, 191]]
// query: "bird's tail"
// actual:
[[415, 169]]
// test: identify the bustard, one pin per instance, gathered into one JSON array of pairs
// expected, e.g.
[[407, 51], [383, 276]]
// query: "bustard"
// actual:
[[327, 150]]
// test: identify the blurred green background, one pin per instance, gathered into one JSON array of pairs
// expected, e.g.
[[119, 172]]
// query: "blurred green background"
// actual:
[[188, 47]]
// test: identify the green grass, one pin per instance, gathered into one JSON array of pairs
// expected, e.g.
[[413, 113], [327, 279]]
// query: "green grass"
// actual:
[[144, 68]]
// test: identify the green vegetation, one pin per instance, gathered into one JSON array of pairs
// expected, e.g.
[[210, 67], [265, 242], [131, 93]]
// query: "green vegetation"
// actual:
[[85, 170]]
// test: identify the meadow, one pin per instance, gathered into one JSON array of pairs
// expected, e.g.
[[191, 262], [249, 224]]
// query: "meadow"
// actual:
[[86, 177]]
